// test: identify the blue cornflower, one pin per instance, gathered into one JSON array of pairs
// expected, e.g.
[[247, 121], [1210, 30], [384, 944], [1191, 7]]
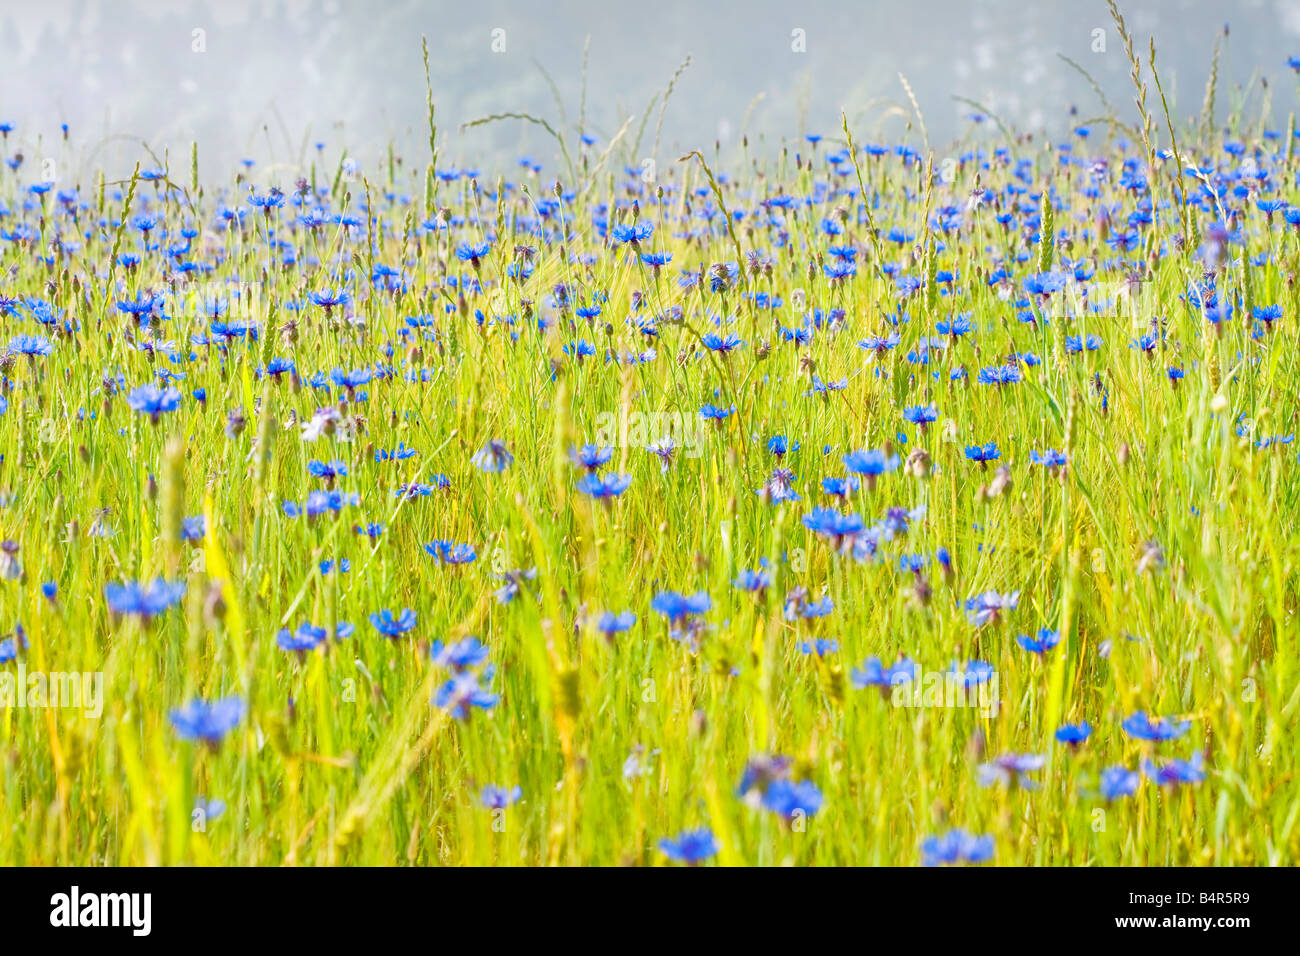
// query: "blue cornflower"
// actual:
[[1140, 727], [820, 387], [1146, 342], [9, 649], [691, 847], [463, 693], [400, 453], [870, 463], [463, 654], [604, 486], [319, 502], [632, 234], [610, 623], [821, 646], [445, 551], [1048, 459], [233, 329], [723, 344], [983, 453], [999, 375], [956, 846], [498, 798], [797, 606], [1044, 642], [473, 252], [209, 722], [144, 600], [880, 344], [960, 325], [328, 470], [414, 491], [779, 446], [273, 199], [986, 607], [790, 800], [835, 527], [675, 606], [389, 626], [1010, 768], [1074, 734], [1175, 772], [1075, 344], [911, 562], [1118, 782], [1045, 283], [761, 771], [280, 366], [32, 345], [873, 674], [329, 299], [591, 457], [840, 487], [153, 401], [755, 582], [779, 487], [492, 457], [351, 379], [921, 415], [971, 674], [308, 637]]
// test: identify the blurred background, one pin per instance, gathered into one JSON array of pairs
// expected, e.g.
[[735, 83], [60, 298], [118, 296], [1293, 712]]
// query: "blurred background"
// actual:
[[269, 79]]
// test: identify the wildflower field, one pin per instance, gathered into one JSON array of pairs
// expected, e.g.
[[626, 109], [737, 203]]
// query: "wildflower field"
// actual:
[[846, 501]]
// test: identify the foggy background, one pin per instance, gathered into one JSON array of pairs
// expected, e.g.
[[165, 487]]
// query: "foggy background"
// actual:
[[268, 79]]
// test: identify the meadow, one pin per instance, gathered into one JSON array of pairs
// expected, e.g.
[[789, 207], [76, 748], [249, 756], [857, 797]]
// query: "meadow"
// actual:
[[850, 501]]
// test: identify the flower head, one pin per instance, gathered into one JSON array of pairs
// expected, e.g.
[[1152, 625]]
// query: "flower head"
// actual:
[[956, 846], [208, 722], [690, 847], [393, 626]]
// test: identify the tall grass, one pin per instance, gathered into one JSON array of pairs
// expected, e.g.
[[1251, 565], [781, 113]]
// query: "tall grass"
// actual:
[[342, 758]]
